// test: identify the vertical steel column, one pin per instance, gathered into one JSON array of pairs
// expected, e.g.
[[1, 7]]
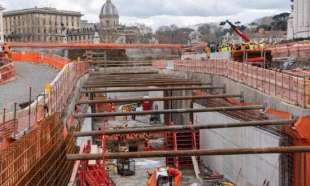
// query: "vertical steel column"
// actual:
[[93, 110], [15, 120], [29, 112], [3, 117]]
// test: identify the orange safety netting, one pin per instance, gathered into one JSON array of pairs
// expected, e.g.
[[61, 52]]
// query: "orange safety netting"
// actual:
[[36, 57], [300, 50], [289, 88]]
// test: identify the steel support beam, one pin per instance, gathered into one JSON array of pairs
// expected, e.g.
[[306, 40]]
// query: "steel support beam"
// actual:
[[123, 73], [136, 81], [176, 128], [92, 102], [140, 85], [155, 89], [102, 80], [187, 153], [180, 111]]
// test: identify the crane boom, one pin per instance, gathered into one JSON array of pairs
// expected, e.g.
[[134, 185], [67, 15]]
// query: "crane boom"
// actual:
[[244, 36]]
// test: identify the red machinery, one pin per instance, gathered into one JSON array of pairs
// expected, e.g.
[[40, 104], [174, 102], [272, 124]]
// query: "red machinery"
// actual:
[[94, 174], [249, 52]]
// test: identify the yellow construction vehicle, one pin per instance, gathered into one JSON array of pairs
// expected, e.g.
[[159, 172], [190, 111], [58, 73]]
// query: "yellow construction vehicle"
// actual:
[[165, 176]]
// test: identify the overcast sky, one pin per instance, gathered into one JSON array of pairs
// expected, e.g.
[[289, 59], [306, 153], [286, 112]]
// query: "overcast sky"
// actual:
[[155, 13]]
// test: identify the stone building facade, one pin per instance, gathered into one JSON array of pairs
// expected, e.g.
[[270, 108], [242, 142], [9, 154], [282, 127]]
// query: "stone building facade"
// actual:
[[39, 24], [1, 25], [52, 25], [299, 21], [110, 29]]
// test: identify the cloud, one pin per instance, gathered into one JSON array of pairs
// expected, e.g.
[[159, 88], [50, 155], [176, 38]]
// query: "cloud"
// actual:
[[162, 12], [183, 21]]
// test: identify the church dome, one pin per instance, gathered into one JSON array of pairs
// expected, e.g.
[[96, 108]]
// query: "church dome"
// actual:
[[109, 9]]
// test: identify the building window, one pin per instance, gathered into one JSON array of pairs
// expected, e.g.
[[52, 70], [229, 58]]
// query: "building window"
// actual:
[[108, 23]]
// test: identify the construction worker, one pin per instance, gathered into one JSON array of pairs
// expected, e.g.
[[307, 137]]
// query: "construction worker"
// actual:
[[251, 46]]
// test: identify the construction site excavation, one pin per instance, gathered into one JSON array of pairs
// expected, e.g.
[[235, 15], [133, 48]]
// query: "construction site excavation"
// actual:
[[108, 104]]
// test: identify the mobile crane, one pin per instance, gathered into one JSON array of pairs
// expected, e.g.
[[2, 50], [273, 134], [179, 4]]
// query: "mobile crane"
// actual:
[[249, 51]]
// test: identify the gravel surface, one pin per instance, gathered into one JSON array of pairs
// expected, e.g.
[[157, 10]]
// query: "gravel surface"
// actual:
[[28, 74]]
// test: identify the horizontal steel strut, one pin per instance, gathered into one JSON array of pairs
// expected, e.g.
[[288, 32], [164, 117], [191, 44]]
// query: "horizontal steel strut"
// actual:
[[211, 109], [103, 85], [176, 128], [155, 89], [92, 102], [185, 153]]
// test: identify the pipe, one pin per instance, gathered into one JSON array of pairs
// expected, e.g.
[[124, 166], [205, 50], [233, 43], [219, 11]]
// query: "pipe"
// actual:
[[176, 128], [154, 89], [91, 102], [212, 109], [186, 153]]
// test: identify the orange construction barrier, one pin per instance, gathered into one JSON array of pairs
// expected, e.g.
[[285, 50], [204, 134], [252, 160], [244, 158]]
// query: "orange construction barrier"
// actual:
[[300, 135], [279, 114], [7, 73], [36, 57]]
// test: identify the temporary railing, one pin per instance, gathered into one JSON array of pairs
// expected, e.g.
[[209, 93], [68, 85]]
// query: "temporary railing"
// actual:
[[7, 72], [53, 99], [291, 89]]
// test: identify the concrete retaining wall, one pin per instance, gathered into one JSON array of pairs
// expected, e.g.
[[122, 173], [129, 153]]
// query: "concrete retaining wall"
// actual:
[[245, 170]]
